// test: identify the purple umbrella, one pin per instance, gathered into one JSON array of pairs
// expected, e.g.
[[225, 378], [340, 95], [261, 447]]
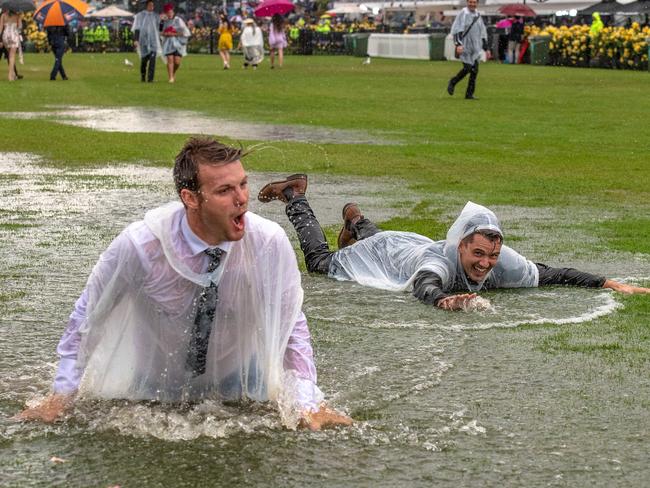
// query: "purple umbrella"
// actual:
[[269, 8]]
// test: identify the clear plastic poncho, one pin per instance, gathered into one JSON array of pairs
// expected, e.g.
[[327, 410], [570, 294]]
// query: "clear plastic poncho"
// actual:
[[390, 260], [177, 43], [149, 40], [135, 341], [473, 40]]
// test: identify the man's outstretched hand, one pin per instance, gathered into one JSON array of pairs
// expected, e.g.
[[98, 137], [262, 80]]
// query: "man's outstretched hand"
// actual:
[[324, 418], [457, 302], [51, 409], [625, 288]]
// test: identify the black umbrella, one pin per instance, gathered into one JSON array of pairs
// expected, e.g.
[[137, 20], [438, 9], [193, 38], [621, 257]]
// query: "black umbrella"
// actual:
[[636, 8], [606, 7], [17, 5]]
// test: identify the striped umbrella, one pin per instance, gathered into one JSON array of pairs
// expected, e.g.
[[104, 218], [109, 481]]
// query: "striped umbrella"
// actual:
[[59, 12]]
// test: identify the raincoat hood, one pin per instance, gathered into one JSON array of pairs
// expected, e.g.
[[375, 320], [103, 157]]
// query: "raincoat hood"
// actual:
[[473, 218]]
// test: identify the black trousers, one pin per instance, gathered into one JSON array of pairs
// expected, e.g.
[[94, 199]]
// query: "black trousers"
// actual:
[[472, 70], [150, 60], [58, 49], [318, 255]]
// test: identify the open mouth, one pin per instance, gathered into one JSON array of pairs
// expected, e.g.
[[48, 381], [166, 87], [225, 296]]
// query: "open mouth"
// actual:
[[480, 271], [238, 222]]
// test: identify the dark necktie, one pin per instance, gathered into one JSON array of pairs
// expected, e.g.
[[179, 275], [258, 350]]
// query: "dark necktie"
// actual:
[[203, 321]]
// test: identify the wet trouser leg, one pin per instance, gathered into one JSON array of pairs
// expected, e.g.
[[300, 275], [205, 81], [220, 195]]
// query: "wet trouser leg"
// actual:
[[471, 85], [58, 49], [152, 67], [318, 255], [148, 61], [472, 70], [461, 74], [364, 228], [143, 67], [312, 239]]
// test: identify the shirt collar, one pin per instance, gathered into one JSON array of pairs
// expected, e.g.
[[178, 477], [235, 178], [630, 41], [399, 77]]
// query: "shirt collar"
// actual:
[[196, 244]]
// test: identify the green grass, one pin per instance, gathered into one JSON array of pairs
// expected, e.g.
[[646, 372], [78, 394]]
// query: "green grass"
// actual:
[[620, 337], [625, 234], [538, 137]]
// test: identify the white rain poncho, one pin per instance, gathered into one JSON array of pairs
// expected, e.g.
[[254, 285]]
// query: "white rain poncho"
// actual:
[[177, 43], [473, 40], [390, 260], [252, 44], [149, 39], [135, 341]]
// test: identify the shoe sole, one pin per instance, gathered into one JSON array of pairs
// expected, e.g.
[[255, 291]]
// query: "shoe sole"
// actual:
[[297, 176]]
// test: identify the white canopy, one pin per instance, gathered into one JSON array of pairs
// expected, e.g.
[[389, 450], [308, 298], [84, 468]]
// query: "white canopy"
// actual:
[[110, 11]]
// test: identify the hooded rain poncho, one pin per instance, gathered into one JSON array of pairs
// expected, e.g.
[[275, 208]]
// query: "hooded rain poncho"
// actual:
[[391, 260]]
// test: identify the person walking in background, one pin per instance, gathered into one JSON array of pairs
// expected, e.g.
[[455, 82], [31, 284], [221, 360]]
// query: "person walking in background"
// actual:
[[251, 43], [4, 53], [277, 40], [57, 37], [470, 36], [147, 41], [10, 25], [514, 40], [596, 25], [175, 35], [226, 30]]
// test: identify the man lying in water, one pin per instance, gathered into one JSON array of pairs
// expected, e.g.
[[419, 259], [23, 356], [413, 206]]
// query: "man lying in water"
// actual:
[[445, 273]]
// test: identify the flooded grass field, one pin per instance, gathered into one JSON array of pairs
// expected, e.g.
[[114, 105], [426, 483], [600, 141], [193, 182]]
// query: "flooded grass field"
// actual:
[[440, 399], [156, 120]]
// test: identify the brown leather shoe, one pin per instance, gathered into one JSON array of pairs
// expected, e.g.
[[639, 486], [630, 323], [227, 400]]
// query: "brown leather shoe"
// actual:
[[351, 215], [275, 189]]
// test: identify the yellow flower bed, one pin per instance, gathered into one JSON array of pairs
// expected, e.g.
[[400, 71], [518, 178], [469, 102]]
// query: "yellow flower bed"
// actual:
[[613, 47], [32, 34]]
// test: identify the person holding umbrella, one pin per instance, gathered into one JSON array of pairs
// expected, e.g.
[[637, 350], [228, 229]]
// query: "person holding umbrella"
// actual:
[[277, 39], [10, 25], [55, 15], [147, 42], [175, 35], [58, 38]]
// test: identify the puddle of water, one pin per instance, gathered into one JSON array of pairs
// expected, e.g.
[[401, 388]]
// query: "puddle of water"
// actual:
[[148, 120], [427, 386]]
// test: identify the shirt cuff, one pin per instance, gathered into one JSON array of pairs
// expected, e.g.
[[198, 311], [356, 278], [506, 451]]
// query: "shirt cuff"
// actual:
[[67, 377], [308, 395]]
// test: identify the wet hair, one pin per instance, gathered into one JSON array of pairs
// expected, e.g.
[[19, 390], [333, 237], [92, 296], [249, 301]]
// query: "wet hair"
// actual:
[[491, 235], [197, 151], [278, 22]]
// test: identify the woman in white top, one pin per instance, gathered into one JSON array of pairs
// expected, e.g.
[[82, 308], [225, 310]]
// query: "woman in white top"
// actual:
[[251, 43], [10, 26]]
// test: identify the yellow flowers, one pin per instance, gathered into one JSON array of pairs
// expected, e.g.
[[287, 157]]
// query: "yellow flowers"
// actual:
[[614, 47]]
